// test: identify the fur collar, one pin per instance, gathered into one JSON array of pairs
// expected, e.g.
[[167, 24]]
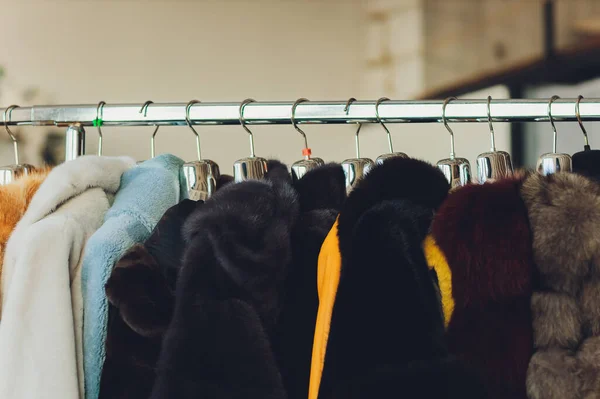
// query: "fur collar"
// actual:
[[257, 215], [71, 179], [564, 212], [322, 188], [397, 179]]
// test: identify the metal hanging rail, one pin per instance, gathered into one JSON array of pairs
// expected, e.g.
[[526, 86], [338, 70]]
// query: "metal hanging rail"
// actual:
[[262, 113]]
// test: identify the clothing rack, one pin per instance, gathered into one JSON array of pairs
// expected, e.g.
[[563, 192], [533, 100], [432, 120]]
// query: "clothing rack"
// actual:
[[315, 112], [263, 113]]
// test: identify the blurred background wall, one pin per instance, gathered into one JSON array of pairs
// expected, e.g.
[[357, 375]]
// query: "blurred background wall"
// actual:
[[84, 51]]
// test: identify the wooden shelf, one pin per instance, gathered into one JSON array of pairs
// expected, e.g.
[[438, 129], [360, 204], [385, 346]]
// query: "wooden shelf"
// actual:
[[569, 66]]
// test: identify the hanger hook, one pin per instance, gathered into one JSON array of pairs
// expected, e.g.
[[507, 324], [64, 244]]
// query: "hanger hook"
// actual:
[[555, 138], [8, 111], [189, 123], [357, 142], [446, 102], [298, 101], [99, 117], [489, 115], [144, 110], [243, 123], [387, 131], [578, 115]]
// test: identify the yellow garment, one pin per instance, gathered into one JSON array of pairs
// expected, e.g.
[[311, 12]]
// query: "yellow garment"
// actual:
[[328, 279], [437, 261]]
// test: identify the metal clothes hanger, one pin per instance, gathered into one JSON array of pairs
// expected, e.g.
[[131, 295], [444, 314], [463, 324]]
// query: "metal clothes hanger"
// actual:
[[493, 165], [144, 110], [201, 175], [98, 123], [586, 146], [252, 167], [11, 172], [586, 162], [456, 170], [553, 162], [355, 168], [382, 158], [299, 168]]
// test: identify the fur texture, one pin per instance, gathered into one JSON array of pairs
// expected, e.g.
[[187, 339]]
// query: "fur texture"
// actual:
[[546, 380], [386, 337], [587, 163], [145, 194], [14, 200], [42, 332], [229, 294], [564, 212], [321, 194], [484, 234], [141, 291], [401, 178], [320, 188]]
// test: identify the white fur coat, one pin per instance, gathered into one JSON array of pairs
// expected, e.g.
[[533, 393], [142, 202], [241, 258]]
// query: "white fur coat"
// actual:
[[42, 317]]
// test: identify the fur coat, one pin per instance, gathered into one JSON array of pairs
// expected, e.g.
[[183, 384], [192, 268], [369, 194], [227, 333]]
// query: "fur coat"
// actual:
[[229, 294], [14, 200], [321, 194], [42, 318], [564, 212], [146, 193], [480, 249], [386, 332], [140, 290]]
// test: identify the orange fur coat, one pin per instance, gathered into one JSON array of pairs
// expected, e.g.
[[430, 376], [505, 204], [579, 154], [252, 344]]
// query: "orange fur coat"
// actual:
[[14, 200]]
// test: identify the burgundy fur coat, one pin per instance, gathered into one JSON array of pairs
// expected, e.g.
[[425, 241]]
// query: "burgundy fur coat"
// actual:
[[480, 248]]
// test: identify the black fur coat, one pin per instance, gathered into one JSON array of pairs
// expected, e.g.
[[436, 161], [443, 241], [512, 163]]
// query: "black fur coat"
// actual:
[[229, 294], [386, 337], [321, 194]]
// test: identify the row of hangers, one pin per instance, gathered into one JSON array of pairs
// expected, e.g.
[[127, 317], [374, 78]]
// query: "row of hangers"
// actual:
[[202, 174]]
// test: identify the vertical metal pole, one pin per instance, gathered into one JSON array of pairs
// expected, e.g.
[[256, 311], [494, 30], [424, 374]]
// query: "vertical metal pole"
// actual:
[[517, 130], [75, 142]]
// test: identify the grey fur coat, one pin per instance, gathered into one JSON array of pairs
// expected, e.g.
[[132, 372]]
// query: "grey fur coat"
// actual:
[[564, 214]]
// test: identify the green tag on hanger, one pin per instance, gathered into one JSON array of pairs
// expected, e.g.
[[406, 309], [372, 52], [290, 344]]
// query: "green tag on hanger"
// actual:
[[97, 122]]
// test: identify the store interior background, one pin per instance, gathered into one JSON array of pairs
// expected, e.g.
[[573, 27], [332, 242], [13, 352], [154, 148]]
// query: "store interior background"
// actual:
[[70, 52]]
